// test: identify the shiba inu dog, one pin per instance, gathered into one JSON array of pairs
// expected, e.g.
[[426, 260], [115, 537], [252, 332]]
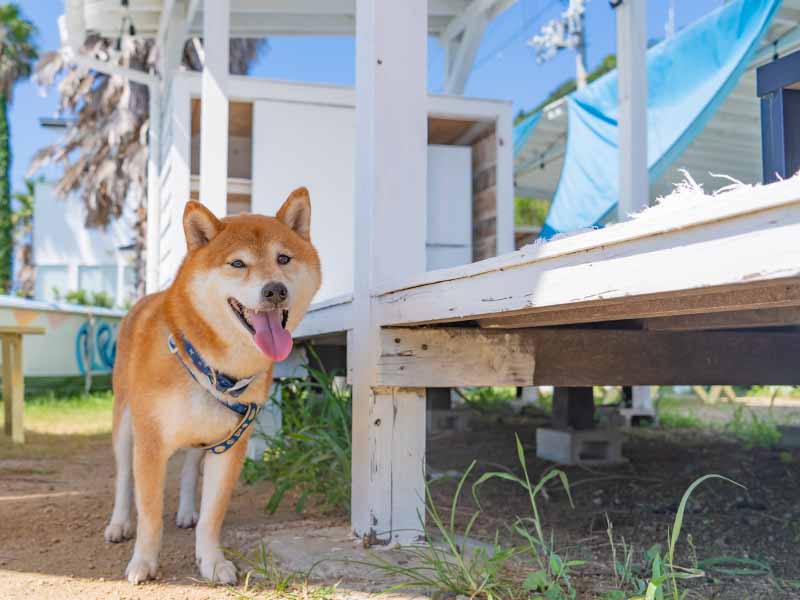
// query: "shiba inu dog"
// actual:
[[194, 365]]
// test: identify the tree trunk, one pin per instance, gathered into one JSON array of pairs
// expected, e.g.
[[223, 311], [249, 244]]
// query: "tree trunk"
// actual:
[[140, 248], [6, 228]]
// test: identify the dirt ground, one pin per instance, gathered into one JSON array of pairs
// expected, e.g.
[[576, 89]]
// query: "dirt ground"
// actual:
[[55, 498], [641, 498]]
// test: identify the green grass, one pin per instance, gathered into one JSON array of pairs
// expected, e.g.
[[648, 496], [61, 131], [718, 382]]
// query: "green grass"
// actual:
[[752, 430], [265, 580], [310, 457], [487, 400], [770, 391], [530, 564], [528, 567], [736, 420], [57, 426], [79, 414], [678, 420]]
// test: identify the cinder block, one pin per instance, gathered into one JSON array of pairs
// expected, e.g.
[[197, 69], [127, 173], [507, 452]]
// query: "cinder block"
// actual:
[[448, 420], [790, 437], [634, 417], [584, 447], [268, 423]]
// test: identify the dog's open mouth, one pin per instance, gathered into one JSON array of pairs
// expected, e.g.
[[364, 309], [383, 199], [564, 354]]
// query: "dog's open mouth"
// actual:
[[268, 329]]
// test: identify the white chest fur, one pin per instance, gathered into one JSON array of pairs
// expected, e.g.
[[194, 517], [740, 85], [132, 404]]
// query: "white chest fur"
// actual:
[[196, 418]]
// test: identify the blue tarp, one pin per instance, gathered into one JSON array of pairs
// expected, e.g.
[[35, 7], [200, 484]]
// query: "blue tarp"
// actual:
[[689, 76]]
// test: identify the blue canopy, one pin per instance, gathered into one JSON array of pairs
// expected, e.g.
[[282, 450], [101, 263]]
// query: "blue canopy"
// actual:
[[689, 76]]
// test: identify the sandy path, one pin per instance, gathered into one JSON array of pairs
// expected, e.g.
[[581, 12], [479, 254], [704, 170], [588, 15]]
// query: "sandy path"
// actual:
[[54, 507]]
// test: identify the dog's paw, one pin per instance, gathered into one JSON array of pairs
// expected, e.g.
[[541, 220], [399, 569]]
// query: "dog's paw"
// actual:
[[140, 570], [218, 570], [186, 519], [118, 532]]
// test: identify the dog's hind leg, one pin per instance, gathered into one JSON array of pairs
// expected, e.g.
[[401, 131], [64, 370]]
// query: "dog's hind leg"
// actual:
[[187, 514], [121, 527]]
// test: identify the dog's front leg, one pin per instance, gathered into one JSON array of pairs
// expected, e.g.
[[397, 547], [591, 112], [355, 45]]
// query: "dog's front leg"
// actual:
[[220, 473], [150, 469]]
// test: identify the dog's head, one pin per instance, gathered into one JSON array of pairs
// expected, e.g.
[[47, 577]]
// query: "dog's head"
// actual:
[[252, 277]]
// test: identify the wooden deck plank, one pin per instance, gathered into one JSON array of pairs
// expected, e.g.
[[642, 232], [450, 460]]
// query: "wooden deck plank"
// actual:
[[669, 269]]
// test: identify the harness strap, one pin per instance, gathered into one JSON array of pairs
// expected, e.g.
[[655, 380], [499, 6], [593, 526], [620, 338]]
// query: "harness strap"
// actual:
[[223, 384], [228, 442]]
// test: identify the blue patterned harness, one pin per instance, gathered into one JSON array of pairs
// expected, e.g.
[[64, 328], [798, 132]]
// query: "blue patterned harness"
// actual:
[[223, 385]]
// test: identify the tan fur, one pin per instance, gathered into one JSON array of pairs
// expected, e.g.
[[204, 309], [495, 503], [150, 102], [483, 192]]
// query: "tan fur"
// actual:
[[165, 409]]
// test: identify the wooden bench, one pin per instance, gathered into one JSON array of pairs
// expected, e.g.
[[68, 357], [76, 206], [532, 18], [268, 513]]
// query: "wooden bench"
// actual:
[[13, 379]]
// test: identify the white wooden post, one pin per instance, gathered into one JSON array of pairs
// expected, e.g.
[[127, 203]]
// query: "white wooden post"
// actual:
[[632, 70], [634, 191], [214, 107], [390, 224], [153, 250], [504, 186]]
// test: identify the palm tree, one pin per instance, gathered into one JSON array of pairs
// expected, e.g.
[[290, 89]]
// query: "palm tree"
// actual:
[[22, 224], [17, 55], [104, 152]]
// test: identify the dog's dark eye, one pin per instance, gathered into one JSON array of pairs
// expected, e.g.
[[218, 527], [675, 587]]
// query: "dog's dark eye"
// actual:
[[237, 264], [283, 259]]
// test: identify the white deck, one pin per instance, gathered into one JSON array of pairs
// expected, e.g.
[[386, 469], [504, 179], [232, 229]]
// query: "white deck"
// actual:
[[694, 256]]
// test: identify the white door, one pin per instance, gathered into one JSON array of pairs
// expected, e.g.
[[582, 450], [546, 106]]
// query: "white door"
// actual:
[[310, 145], [449, 206]]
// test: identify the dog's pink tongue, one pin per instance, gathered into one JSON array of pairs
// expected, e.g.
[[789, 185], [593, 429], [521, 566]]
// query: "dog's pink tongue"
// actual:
[[271, 338]]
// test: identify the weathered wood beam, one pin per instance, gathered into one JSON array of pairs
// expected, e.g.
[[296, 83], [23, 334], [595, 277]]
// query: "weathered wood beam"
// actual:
[[449, 357], [583, 357], [739, 319], [453, 357], [710, 303]]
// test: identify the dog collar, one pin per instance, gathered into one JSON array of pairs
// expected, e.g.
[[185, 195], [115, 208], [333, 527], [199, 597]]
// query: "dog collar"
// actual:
[[223, 385]]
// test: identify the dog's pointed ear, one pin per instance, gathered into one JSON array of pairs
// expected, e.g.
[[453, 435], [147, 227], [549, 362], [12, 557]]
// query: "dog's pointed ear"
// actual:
[[199, 225], [296, 213]]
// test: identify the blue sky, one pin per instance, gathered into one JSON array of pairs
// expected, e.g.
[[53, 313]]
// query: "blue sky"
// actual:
[[505, 66]]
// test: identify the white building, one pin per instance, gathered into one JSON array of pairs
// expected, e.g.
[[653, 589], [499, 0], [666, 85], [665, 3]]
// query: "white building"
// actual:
[[68, 256]]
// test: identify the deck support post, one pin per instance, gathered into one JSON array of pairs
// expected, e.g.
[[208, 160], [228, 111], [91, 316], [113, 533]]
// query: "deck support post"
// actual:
[[573, 408], [388, 484], [634, 189], [214, 106]]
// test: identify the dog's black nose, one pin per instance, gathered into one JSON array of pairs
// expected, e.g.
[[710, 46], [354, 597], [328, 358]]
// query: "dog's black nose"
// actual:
[[275, 293]]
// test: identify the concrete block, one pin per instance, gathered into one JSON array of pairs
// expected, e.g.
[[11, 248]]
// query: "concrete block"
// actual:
[[580, 447], [448, 420], [790, 437], [634, 417], [267, 424]]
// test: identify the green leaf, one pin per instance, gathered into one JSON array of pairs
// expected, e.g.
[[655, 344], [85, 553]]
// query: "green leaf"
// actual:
[[676, 530], [556, 564], [536, 581]]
